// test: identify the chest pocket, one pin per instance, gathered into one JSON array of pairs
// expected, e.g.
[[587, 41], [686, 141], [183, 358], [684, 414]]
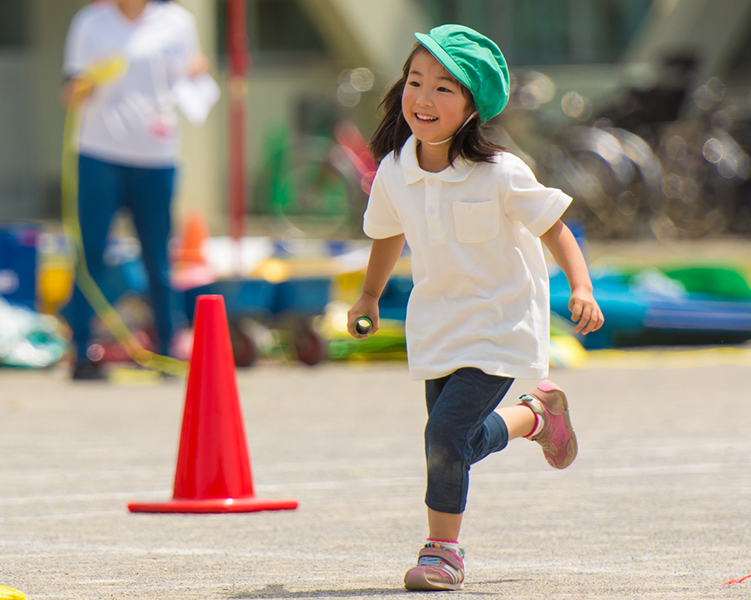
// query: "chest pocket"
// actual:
[[476, 222]]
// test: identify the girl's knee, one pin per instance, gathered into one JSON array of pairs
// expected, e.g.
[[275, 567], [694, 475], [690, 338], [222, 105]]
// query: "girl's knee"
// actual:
[[437, 432], [444, 444]]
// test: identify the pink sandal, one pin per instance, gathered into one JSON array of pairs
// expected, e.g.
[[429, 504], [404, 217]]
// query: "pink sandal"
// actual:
[[437, 568], [553, 429]]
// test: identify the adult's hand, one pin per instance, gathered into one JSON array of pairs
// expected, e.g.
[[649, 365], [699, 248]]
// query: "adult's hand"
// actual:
[[76, 92], [198, 65]]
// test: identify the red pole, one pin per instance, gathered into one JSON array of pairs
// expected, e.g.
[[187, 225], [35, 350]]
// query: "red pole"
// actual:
[[237, 50]]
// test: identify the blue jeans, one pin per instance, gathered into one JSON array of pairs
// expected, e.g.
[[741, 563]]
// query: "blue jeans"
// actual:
[[102, 189], [461, 430]]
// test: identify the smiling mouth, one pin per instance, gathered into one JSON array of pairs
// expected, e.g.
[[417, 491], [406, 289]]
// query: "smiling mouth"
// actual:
[[426, 118]]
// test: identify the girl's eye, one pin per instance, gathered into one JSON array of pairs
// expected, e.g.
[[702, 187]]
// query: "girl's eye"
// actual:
[[413, 84], [444, 89]]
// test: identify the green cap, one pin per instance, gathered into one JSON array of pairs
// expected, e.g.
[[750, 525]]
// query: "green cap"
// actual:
[[475, 61]]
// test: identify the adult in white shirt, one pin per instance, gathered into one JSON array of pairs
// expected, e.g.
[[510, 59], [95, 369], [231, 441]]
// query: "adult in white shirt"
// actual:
[[129, 141]]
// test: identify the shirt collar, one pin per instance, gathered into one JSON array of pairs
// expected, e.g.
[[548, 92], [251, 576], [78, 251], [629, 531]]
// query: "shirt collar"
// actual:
[[459, 171]]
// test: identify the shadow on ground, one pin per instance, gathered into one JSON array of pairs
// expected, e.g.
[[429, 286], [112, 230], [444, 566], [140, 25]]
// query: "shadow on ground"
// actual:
[[275, 591]]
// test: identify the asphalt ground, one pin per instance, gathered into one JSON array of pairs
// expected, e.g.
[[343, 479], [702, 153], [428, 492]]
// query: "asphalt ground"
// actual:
[[657, 505]]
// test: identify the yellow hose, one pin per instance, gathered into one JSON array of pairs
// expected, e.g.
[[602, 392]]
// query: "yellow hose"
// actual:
[[7, 593], [99, 74]]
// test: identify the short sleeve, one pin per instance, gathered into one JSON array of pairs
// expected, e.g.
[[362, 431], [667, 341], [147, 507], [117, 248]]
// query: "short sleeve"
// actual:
[[190, 46], [526, 200], [381, 219], [192, 43], [77, 55], [185, 44]]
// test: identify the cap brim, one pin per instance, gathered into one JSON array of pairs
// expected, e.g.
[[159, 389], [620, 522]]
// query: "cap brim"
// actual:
[[442, 57]]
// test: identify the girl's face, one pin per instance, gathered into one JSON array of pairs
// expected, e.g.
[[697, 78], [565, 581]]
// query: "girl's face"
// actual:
[[433, 103]]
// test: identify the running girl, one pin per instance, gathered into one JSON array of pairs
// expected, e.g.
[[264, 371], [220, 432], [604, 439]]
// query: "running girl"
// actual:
[[478, 315]]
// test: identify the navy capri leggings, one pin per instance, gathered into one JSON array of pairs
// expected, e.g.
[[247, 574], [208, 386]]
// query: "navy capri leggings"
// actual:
[[461, 430]]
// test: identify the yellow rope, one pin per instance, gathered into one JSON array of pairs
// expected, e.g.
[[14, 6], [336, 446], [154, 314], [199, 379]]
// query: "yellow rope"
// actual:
[[99, 74], [7, 593]]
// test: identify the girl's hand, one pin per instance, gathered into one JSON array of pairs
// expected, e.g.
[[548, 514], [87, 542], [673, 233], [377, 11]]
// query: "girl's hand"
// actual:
[[383, 256], [366, 306], [585, 311]]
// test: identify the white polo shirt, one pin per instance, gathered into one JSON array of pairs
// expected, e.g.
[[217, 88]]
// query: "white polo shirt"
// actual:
[[133, 120], [481, 296]]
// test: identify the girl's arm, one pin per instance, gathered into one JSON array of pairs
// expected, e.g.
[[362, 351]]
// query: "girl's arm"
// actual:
[[383, 256], [565, 250]]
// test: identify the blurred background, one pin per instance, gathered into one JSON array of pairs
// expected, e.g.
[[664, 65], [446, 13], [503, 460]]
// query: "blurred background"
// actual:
[[639, 109], [671, 75]]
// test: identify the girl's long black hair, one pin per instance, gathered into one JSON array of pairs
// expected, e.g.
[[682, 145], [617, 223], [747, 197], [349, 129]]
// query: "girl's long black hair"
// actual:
[[470, 143]]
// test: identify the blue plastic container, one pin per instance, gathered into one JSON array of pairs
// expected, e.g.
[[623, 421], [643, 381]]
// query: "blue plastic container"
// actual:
[[393, 301], [302, 297], [242, 297], [624, 308], [18, 263]]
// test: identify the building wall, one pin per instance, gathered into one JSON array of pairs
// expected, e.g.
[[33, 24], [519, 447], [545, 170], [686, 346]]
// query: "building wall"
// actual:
[[49, 22], [714, 32], [19, 198]]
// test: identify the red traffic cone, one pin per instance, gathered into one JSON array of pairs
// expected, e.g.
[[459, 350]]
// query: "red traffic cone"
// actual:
[[213, 465]]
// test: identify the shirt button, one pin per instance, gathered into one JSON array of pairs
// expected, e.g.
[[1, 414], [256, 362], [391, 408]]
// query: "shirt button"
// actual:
[[431, 211]]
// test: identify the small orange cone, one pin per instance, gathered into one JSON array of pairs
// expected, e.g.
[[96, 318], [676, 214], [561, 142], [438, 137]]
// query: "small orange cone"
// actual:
[[195, 234], [213, 466]]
